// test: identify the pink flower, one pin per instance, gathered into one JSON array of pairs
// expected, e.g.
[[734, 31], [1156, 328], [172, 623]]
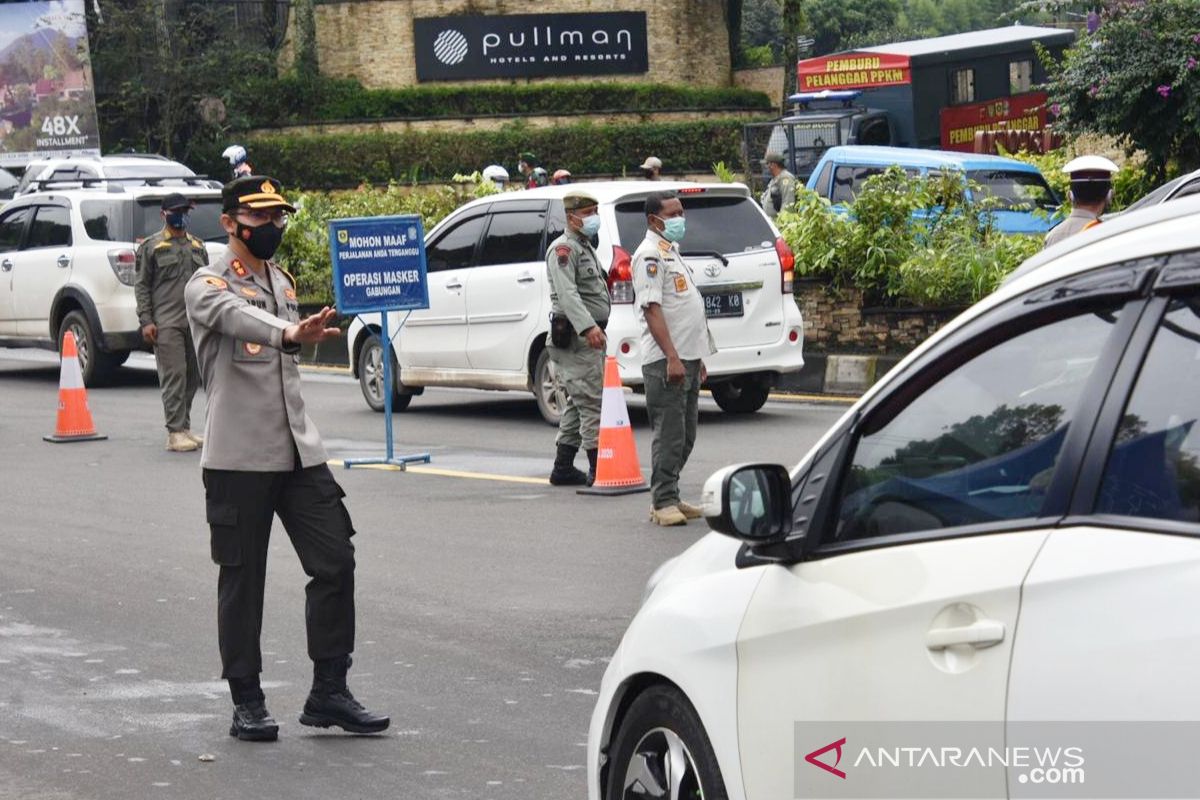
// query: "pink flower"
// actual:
[[1055, 109], [1191, 63], [1095, 90], [1196, 39], [1164, 90]]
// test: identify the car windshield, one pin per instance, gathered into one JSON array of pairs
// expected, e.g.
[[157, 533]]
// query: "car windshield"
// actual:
[[1015, 190], [720, 224], [7, 181], [151, 169]]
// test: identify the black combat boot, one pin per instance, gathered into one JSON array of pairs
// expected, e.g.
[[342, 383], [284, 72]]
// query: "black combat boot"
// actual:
[[251, 720], [592, 453], [331, 703], [564, 472]]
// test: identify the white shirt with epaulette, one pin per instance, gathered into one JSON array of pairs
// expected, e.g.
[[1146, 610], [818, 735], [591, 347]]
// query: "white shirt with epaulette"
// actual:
[[661, 276], [256, 418]]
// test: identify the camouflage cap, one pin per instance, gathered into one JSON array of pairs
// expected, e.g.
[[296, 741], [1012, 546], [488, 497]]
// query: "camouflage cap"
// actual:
[[575, 200], [773, 158]]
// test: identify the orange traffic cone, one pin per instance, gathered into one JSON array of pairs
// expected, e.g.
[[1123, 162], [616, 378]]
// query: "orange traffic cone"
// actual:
[[617, 470], [74, 418]]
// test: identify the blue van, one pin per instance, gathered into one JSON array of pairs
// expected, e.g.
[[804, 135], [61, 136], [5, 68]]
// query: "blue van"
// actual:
[[1021, 189]]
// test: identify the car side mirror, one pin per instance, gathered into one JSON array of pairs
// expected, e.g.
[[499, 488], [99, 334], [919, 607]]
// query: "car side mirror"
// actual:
[[750, 502]]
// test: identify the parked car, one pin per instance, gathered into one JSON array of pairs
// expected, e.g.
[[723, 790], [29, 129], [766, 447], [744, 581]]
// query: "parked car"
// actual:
[[67, 262], [1019, 187], [1038, 458], [131, 169], [8, 185], [1183, 186], [489, 307]]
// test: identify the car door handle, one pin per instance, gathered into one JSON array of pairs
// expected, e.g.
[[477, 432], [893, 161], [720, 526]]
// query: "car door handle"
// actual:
[[526, 279], [453, 283], [6, 265], [979, 634], [64, 262]]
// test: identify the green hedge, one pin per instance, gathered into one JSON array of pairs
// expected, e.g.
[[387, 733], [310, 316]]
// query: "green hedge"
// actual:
[[346, 160], [290, 100]]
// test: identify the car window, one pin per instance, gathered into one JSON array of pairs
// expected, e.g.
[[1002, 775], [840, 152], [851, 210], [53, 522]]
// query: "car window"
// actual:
[[556, 223], [204, 221], [822, 185], [151, 169], [1153, 469], [848, 180], [721, 224], [7, 180], [105, 220], [980, 444], [456, 247], [12, 225], [51, 228], [1193, 187], [513, 238], [1015, 190]]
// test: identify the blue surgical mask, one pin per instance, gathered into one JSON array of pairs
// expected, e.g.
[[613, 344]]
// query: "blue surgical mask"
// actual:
[[674, 228], [177, 219], [591, 225]]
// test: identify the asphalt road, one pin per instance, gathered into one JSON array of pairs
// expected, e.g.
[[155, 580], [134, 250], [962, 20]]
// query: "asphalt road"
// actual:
[[488, 601]]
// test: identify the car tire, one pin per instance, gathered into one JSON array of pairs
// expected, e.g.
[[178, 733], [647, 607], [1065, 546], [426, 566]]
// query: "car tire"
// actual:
[[370, 377], [661, 721], [96, 365], [549, 392], [743, 395]]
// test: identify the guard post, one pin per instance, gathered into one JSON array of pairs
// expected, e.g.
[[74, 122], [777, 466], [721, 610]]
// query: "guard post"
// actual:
[[379, 267]]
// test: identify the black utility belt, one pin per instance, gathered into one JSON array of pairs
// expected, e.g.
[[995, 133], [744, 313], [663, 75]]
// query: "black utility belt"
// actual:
[[562, 331]]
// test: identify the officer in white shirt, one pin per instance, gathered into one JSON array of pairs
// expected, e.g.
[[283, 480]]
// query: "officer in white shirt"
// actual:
[[675, 342]]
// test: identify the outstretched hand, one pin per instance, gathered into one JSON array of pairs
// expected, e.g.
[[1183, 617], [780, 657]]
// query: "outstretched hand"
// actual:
[[315, 328]]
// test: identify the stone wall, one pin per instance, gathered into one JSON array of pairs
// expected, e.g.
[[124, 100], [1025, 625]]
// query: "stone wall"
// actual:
[[372, 40], [768, 80], [838, 322]]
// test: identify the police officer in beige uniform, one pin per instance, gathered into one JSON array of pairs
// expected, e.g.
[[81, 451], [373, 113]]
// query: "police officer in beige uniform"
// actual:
[[263, 457], [579, 313], [165, 262], [781, 191], [675, 342], [1091, 192]]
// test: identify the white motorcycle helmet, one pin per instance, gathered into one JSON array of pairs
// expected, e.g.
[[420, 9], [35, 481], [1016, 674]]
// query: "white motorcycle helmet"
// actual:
[[496, 174]]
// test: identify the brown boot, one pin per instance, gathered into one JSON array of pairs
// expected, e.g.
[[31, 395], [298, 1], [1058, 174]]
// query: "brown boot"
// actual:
[[690, 511], [195, 437], [667, 517]]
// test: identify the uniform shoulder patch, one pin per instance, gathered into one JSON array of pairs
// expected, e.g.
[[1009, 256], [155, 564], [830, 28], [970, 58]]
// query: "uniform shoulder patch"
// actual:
[[216, 282], [195, 242], [162, 244], [564, 255], [652, 267], [238, 268], [664, 246]]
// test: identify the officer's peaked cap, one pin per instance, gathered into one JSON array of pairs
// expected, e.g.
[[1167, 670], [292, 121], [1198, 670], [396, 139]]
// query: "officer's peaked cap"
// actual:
[[254, 191], [573, 201]]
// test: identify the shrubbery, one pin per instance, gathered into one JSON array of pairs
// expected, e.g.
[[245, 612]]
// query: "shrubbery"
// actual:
[[346, 160], [281, 101], [906, 240]]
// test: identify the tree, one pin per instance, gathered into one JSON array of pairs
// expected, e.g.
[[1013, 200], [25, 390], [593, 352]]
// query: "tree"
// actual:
[[1137, 78], [306, 39], [831, 22], [762, 24]]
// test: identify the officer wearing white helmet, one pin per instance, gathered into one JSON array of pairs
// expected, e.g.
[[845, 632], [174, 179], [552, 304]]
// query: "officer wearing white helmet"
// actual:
[[1091, 192], [496, 174]]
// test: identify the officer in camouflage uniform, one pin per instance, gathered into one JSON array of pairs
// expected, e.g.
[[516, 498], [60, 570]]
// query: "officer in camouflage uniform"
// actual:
[[579, 313], [264, 458], [781, 191], [165, 262]]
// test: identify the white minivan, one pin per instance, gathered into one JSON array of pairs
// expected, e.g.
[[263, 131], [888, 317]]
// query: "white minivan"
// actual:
[[489, 300]]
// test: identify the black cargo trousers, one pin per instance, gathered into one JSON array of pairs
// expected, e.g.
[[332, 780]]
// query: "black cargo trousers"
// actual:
[[240, 507]]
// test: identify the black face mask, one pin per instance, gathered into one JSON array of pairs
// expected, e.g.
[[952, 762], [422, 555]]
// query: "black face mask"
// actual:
[[261, 241]]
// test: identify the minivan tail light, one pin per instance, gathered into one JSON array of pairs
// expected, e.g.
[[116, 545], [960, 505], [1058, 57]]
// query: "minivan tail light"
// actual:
[[787, 263], [124, 264], [620, 277]]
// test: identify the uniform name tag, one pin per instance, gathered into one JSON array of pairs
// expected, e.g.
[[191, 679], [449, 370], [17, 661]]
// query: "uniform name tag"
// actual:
[[680, 284]]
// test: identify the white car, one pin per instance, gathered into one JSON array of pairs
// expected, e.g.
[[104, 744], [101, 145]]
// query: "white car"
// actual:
[[1004, 531], [67, 262], [489, 300], [129, 169]]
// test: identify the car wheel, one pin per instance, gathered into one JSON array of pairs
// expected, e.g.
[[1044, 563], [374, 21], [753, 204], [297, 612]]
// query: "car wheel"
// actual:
[[370, 377], [743, 395], [661, 750], [96, 365], [549, 391]]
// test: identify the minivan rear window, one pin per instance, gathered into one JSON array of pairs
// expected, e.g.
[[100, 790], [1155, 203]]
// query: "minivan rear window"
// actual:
[[113, 219], [1015, 190], [721, 224]]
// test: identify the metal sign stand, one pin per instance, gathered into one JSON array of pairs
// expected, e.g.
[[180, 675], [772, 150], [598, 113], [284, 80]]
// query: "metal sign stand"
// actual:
[[393, 460]]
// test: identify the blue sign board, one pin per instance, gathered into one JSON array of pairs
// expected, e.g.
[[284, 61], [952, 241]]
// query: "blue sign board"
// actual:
[[378, 264]]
